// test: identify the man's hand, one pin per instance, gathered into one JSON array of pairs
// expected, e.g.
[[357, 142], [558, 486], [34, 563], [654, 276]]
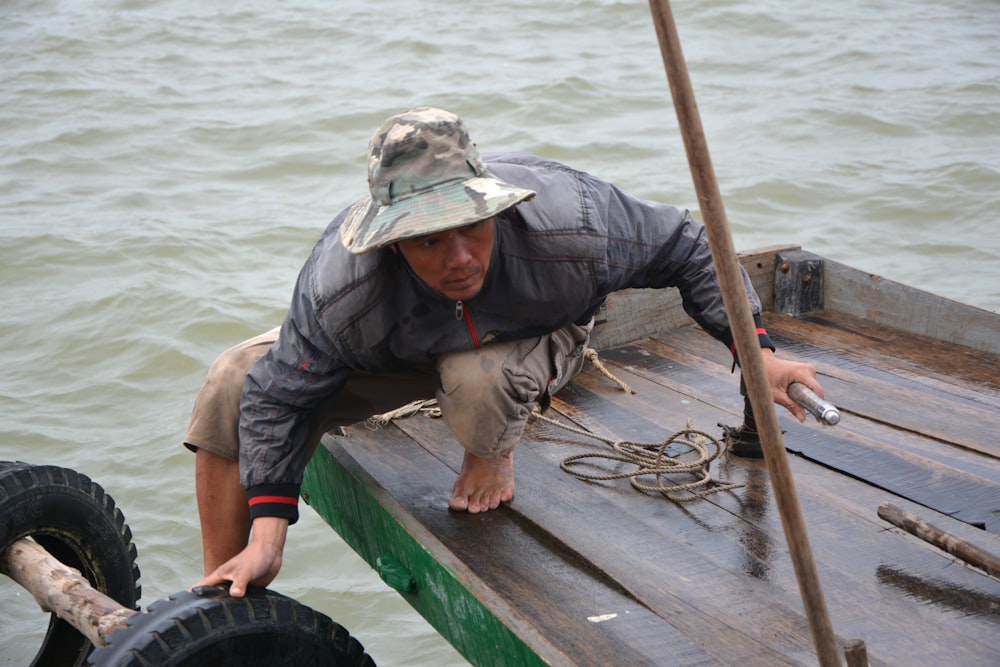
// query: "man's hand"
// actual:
[[258, 563], [781, 373]]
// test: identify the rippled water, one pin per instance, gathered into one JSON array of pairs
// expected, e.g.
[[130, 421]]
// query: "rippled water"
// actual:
[[166, 167]]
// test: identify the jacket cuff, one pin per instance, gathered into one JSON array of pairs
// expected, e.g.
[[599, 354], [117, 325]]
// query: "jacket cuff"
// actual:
[[762, 338], [280, 500]]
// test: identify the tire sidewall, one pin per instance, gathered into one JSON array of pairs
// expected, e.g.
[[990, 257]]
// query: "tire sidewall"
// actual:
[[208, 628]]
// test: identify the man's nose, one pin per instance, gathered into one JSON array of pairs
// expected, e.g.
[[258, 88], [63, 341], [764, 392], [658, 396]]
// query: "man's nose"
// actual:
[[457, 251]]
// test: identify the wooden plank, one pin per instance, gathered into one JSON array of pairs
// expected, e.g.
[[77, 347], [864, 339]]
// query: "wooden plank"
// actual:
[[891, 455], [839, 534], [846, 380], [552, 592], [622, 547], [726, 554], [710, 582], [913, 586], [445, 593], [906, 590], [695, 564], [910, 310], [938, 365]]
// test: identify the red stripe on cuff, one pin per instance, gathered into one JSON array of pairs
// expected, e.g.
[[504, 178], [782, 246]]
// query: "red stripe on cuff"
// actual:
[[283, 500], [760, 332]]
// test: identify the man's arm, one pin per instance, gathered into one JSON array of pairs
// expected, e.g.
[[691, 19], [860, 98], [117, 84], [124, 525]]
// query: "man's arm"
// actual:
[[281, 390], [667, 247], [279, 394]]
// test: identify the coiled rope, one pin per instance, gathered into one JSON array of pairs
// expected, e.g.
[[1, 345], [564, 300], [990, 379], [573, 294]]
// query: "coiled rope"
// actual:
[[651, 461]]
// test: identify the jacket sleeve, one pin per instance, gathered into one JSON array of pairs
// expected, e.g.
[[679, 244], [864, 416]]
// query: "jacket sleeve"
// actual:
[[657, 245], [300, 370]]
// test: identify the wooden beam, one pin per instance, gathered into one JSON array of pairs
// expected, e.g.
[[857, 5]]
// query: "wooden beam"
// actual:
[[63, 591], [968, 552]]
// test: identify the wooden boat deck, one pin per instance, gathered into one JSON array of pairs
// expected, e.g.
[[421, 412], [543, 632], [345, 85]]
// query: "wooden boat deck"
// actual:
[[598, 573]]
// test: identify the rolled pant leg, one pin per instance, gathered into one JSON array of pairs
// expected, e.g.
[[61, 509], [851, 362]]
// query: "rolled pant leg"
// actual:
[[488, 394], [214, 424], [215, 417]]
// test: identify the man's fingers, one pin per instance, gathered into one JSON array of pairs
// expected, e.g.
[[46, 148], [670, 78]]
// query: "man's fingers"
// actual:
[[237, 589], [239, 584], [210, 580], [797, 410]]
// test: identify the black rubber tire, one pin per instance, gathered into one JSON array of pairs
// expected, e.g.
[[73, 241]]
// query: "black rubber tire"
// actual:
[[72, 517], [208, 628]]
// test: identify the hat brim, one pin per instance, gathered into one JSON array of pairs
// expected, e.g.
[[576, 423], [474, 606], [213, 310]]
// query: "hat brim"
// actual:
[[447, 205]]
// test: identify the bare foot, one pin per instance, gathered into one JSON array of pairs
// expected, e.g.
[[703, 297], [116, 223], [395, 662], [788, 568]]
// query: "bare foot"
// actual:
[[484, 483]]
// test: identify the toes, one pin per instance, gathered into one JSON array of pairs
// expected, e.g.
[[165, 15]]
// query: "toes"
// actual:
[[459, 503], [494, 500], [479, 502], [475, 503]]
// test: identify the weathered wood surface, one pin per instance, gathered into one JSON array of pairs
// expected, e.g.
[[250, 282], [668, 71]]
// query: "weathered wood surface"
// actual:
[[63, 591], [903, 308], [710, 582], [968, 552]]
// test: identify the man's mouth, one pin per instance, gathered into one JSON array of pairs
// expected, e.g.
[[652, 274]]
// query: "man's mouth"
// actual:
[[461, 283]]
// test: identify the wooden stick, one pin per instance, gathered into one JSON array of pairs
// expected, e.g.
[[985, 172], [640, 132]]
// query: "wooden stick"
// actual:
[[952, 544], [856, 653], [741, 322], [63, 591]]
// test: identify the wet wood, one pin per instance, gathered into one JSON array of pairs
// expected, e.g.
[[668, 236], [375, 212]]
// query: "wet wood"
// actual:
[[956, 546], [62, 590], [712, 582], [840, 509], [525, 577], [885, 436], [714, 572]]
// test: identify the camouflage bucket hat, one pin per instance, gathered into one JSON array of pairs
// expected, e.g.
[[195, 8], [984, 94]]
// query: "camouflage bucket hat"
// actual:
[[425, 176]]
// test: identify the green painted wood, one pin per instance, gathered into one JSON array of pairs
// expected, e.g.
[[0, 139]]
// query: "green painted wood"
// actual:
[[360, 512]]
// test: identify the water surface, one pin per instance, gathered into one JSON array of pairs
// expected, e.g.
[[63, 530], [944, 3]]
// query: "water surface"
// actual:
[[166, 167]]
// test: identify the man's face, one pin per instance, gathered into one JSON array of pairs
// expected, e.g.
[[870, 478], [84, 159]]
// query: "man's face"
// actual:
[[453, 262]]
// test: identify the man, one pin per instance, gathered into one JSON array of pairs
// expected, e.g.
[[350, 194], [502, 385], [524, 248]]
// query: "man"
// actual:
[[471, 280]]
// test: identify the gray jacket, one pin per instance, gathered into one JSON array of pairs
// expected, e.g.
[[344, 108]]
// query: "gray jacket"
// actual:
[[555, 260]]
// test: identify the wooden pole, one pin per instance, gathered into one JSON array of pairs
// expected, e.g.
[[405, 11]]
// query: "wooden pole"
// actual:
[[856, 653], [744, 331], [952, 544], [63, 591]]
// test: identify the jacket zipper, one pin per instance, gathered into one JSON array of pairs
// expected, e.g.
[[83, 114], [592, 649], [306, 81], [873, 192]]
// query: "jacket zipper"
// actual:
[[462, 313]]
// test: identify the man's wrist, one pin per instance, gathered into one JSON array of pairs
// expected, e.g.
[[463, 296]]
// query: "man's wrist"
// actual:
[[270, 531]]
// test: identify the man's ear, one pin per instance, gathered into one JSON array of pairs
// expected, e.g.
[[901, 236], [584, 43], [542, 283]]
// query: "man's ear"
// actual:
[[395, 248]]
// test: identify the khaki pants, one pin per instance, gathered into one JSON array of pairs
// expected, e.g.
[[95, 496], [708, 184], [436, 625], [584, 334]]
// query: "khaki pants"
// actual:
[[486, 395]]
